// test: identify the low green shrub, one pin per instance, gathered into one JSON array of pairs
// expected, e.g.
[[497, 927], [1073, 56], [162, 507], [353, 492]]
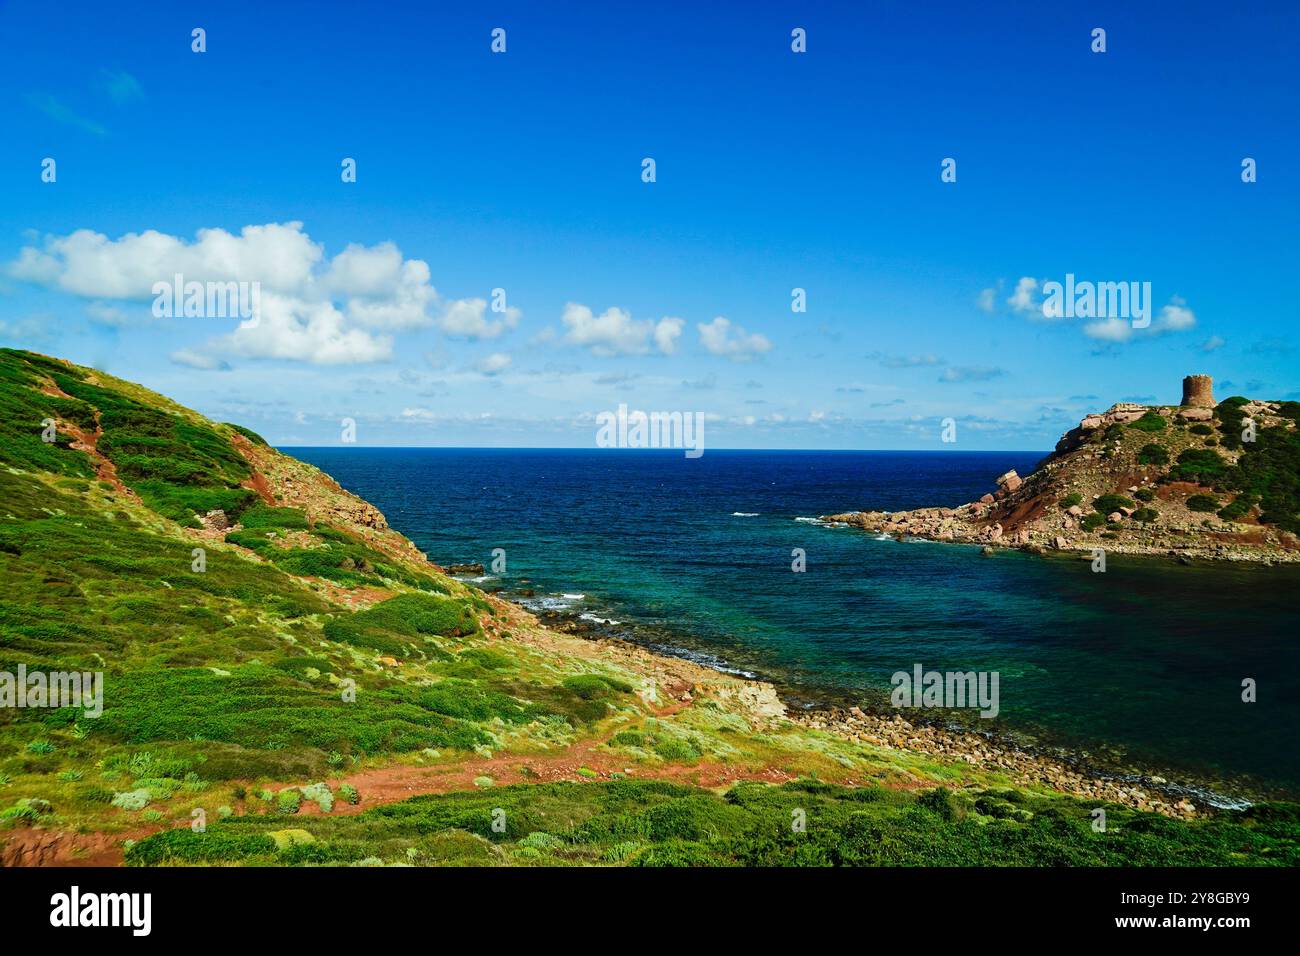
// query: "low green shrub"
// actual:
[[1239, 508], [938, 801], [287, 802], [319, 794], [1105, 504], [595, 686], [674, 748], [26, 810], [1150, 422], [132, 799], [1202, 465], [1153, 454], [183, 845]]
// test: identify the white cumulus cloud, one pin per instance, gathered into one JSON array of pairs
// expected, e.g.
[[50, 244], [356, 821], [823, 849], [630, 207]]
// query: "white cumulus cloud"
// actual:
[[468, 319], [615, 332], [1024, 298], [1173, 317], [312, 308], [720, 337]]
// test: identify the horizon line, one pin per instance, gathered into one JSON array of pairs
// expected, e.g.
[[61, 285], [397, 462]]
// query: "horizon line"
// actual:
[[927, 451]]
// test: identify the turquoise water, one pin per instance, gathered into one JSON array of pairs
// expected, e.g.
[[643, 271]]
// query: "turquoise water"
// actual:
[[1141, 665]]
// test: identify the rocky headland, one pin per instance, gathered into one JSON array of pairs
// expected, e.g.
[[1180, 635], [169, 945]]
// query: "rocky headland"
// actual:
[[1198, 480]]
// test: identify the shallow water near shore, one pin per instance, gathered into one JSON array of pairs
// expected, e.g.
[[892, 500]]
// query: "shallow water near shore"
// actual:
[[1138, 667]]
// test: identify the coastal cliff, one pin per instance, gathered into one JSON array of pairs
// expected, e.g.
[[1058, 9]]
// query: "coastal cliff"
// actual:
[[1198, 480]]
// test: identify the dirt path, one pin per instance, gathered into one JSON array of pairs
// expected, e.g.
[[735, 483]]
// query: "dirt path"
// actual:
[[392, 784], [383, 785], [87, 442], [38, 847]]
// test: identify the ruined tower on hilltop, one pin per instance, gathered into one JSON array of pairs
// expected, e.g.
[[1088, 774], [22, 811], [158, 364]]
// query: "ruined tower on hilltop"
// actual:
[[1198, 391]]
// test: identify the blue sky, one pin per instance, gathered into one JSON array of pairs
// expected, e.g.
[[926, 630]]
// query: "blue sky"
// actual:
[[774, 170]]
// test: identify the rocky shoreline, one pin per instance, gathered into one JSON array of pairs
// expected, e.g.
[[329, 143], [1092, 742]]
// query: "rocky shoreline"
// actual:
[[1025, 767], [1061, 771], [962, 525]]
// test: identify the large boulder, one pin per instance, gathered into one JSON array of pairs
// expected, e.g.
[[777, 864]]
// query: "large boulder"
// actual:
[[216, 521]]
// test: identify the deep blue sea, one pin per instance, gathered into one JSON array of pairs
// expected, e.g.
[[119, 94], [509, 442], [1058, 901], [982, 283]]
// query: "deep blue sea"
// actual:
[[1142, 664]]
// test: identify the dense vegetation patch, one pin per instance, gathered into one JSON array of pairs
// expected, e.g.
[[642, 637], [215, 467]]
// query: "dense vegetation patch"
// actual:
[[1268, 469], [1153, 454], [179, 467], [1239, 508], [335, 555], [1203, 466], [1093, 520], [23, 409], [1150, 422], [248, 433], [402, 624], [651, 823], [262, 707], [1105, 504]]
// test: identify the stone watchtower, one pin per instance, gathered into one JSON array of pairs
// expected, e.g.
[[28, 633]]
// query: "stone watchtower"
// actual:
[[1198, 391]]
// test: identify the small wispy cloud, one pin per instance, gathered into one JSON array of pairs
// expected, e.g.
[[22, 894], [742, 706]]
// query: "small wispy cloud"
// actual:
[[987, 300], [121, 87], [200, 360], [1274, 345], [971, 373], [906, 361], [101, 313], [58, 111], [701, 384], [494, 364]]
